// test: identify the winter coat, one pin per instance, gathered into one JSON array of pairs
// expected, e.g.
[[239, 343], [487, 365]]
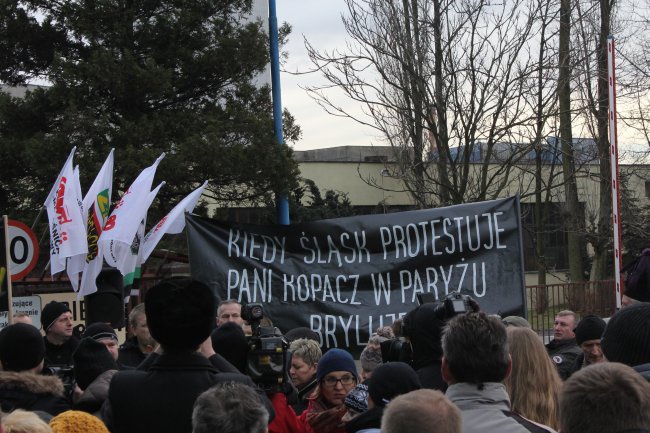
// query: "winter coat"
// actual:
[[60, 355], [161, 399], [486, 408], [302, 397], [130, 354], [32, 392], [95, 394], [564, 354]]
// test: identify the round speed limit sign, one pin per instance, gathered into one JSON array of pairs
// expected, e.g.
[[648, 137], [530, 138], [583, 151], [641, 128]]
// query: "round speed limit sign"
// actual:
[[23, 249]]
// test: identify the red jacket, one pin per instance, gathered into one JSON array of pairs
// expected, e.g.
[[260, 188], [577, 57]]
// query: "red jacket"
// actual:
[[317, 418]]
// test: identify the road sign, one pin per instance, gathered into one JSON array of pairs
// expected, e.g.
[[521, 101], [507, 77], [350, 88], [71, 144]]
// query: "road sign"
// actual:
[[23, 250]]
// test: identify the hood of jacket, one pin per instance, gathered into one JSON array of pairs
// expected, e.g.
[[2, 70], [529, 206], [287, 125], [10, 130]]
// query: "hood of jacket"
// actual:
[[31, 383]]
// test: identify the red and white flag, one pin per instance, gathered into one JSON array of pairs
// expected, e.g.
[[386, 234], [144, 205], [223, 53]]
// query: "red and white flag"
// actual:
[[67, 231], [172, 223], [122, 225], [74, 264]]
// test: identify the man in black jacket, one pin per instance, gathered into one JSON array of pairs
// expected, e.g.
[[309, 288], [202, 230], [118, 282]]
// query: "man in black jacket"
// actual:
[[180, 314], [563, 349]]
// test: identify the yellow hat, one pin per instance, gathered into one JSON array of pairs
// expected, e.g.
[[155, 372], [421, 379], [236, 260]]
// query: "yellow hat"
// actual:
[[75, 421]]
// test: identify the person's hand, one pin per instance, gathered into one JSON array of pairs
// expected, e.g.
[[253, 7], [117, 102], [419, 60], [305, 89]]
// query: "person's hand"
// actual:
[[327, 420], [206, 349]]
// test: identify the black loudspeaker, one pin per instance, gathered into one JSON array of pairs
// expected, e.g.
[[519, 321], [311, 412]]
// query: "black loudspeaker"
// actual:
[[107, 303]]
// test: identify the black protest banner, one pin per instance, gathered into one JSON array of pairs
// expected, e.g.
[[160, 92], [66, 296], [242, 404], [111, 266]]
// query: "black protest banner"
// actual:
[[345, 277]]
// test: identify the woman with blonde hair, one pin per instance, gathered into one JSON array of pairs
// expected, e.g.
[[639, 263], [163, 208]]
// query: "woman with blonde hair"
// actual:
[[534, 384], [22, 421]]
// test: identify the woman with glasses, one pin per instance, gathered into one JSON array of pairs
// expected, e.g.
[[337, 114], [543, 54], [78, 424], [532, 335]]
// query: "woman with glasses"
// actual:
[[336, 375]]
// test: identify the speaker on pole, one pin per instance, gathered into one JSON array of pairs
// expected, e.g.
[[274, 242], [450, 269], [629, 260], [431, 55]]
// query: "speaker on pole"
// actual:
[[107, 303]]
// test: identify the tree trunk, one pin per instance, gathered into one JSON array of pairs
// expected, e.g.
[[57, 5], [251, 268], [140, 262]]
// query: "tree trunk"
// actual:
[[573, 211]]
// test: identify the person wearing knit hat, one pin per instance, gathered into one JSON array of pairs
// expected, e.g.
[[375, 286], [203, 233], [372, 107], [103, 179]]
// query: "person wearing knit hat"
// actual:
[[75, 421], [588, 334], [356, 402], [94, 367], [336, 374], [60, 343], [105, 334], [229, 341], [21, 385], [627, 337], [370, 359], [387, 382], [180, 315]]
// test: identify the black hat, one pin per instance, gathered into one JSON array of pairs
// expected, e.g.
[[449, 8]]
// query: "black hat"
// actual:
[[301, 332], [98, 331], [423, 327], [51, 312], [627, 336], [181, 313], [589, 328], [91, 359], [21, 347], [229, 341], [390, 380]]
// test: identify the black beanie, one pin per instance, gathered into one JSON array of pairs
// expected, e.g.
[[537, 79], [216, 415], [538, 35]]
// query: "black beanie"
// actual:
[[589, 328], [91, 359], [423, 327], [98, 331], [627, 336], [335, 360], [51, 312], [181, 313], [390, 380], [301, 332], [229, 341], [21, 347]]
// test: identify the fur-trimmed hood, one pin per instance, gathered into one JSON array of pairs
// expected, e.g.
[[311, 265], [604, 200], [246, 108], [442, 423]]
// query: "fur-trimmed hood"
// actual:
[[30, 382], [32, 392]]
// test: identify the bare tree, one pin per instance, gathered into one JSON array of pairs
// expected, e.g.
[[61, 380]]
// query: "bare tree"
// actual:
[[446, 85]]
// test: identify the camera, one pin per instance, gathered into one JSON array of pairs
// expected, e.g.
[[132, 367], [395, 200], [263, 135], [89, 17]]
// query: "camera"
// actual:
[[66, 374], [267, 351], [454, 303]]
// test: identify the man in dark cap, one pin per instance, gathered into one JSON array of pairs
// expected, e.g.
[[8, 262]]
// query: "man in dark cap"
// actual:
[[627, 338], [60, 343], [180, 315], [105, 334], [21, 384], [94, 367], [588, 334]]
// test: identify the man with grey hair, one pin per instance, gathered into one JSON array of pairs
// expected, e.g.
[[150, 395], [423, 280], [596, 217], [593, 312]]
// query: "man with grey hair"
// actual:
[[229, 407], [475, 362]]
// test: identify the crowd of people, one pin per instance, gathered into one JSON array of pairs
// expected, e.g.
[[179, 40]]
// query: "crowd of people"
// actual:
[[183, 370]]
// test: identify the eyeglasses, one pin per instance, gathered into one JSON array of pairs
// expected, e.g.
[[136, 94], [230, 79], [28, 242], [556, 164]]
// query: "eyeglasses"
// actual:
[[331, 381]]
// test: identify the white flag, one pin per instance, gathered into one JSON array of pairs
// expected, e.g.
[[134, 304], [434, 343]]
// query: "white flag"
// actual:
[[128, 254], [67, 232], [122, 225], [172, 223], [75, 263], [96, 203]]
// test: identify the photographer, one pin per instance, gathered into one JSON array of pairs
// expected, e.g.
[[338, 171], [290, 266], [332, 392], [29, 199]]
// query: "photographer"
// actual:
[[423, 328]]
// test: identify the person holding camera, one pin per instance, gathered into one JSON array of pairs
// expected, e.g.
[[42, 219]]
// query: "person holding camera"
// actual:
[[22, 351]]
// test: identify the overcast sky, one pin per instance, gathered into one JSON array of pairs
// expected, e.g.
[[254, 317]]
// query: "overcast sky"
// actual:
[[320, 22]]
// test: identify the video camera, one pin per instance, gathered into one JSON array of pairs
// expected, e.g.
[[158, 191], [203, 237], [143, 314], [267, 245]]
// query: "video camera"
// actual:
[[267, 351]]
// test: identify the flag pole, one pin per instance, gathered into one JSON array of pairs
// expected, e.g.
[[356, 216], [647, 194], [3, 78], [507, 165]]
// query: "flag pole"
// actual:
[[282, 201], [613, 157]]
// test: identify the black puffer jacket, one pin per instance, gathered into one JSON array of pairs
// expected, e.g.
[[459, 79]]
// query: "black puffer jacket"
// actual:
[[32, 392]]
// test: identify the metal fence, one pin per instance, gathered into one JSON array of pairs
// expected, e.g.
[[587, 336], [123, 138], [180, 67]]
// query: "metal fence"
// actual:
[[543, 302]]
